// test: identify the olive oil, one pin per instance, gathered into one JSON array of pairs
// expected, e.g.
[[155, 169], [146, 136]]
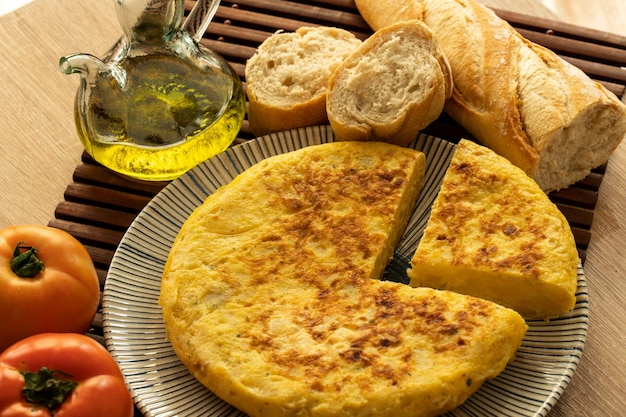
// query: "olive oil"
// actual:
[[169, 116]]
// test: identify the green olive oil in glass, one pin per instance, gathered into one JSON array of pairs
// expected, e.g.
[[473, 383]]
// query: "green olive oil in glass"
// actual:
[[159, 103]]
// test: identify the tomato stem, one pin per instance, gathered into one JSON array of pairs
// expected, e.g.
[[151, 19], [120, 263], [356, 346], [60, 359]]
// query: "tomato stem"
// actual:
[[26, 264], [44, 388]]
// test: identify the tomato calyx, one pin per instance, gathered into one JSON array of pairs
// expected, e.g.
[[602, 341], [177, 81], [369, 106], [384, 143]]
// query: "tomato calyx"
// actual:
[[46, 388], [26, 264]]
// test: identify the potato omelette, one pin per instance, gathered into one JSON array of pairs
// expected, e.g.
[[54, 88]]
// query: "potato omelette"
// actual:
[[271, 296]]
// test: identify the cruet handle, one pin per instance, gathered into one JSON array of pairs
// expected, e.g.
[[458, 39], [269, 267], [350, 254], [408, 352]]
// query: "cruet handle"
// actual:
[[199, 18]]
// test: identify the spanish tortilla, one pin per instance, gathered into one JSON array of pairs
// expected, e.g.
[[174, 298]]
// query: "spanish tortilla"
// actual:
[[268, 296]]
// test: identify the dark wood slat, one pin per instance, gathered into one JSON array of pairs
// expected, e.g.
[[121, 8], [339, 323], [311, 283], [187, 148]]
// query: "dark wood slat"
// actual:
[[229, 32], [592, 181], [90, 235], [97, 322], [578, 48], [230, 51], [105, 197], [562, 29], [582, 237], [311, 12], [577, 216], [616, 89], [91, 172], [99, 216], [348, 4], [577, 196], [102, 273], [259, 20], [598, 70]]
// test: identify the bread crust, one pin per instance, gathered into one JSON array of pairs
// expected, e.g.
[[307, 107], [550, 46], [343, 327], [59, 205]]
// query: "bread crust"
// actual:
[[514, 96], [381, 13], [267, 117], [484, 100]]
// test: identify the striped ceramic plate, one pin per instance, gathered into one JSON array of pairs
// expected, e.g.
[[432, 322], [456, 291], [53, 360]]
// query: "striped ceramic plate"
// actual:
[[162, 386]]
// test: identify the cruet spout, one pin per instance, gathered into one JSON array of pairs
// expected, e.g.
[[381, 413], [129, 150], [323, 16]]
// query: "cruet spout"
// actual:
[[90, 68]]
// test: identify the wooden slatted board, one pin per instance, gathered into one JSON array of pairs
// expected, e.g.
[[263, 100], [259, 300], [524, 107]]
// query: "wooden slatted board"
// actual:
[[100, 205]]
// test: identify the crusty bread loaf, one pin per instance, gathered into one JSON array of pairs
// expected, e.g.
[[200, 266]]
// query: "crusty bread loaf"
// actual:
[[287, 77], [514, 96], [391, 87]]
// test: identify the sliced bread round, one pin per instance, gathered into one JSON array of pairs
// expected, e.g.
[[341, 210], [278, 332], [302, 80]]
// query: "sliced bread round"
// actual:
[[287, 77], [390, 87]]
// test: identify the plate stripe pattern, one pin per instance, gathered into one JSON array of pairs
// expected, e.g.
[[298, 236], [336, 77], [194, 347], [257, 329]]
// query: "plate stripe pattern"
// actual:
[[161, 385]]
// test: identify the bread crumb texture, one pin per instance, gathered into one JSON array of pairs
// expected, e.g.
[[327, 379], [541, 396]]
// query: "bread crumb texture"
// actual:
[[293, 67], [391, 87]]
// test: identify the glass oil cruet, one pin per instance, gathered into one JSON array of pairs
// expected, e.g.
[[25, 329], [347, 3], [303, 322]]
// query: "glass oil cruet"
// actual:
[[159, 102]]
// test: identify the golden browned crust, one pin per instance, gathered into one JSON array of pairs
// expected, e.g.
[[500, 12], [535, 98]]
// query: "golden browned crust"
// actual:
[[514, 96], [483, 53], [266, 117], [381, 13]]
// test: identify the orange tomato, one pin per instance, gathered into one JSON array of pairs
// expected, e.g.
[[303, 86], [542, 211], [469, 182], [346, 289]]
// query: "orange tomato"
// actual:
[[48, 283], [61, 375]]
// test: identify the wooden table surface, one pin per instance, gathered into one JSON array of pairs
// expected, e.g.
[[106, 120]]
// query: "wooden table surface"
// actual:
[[39, 150]]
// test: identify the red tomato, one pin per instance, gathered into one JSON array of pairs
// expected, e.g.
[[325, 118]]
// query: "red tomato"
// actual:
[[85, 378], [48, 283]]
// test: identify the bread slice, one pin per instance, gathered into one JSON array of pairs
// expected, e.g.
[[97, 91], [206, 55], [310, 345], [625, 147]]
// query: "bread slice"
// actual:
[[494, 234], [391, 87], [514, 96], [287, 77], [269, 299]]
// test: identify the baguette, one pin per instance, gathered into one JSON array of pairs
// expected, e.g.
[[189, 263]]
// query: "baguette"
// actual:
[[514, 96], [287, 77], [391, 87]]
